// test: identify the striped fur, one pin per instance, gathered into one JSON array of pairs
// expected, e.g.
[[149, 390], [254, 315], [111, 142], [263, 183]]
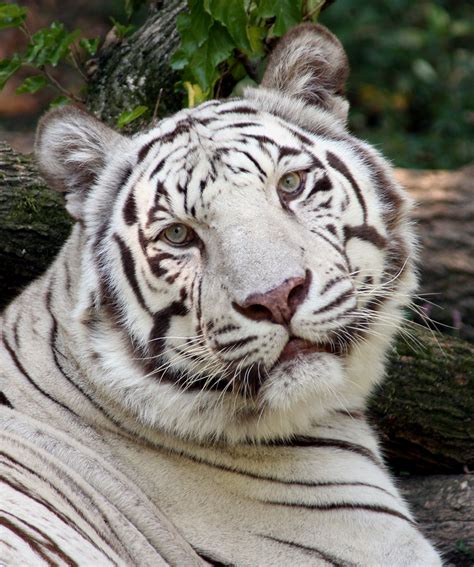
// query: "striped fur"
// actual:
[[148, 414]]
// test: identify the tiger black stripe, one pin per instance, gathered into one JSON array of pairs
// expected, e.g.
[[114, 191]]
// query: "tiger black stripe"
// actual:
[[338, 506], [54, 511], [329, 443], [36, 545], [341, 299], [365, 232], [330, 559], [130, 209], [24, 373], [4, 401], [128, 266], [340, 166]]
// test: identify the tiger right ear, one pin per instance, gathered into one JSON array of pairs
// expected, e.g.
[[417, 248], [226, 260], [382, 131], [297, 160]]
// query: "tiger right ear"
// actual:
[[309, 63], [72, 147]]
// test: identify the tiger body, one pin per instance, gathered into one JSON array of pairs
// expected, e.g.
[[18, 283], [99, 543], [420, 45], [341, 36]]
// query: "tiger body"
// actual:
[[172, 401]]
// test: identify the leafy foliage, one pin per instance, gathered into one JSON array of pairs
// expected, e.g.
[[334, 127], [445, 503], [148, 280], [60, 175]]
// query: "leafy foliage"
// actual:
[[46, 48], [412, 81], [224, 44]]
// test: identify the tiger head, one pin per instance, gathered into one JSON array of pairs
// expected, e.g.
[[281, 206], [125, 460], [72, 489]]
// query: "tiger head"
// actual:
[[244, 263]]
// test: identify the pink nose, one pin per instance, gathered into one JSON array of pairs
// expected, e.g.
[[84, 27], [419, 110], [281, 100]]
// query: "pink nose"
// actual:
[[277, 305]]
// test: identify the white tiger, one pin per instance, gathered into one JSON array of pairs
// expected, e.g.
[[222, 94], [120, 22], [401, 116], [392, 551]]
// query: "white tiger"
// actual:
[[186, 384]]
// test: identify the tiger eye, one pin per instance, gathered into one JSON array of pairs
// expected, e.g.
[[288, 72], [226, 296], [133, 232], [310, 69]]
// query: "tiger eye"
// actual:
[[290, 182], [178, 234]]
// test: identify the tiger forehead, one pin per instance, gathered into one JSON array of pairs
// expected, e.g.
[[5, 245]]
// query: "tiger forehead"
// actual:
[[210, 131], [208, 150]]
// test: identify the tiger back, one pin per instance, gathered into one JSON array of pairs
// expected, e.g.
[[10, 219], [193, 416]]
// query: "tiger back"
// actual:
[[186, 384]]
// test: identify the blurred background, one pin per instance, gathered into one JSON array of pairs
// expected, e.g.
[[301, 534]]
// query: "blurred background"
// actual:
[[411, 87]]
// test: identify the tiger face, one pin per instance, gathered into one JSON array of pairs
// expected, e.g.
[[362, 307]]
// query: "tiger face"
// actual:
[[243, 263]]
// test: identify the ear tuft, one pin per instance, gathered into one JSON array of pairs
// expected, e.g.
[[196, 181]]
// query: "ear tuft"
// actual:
[[71, 148], [309, 63]]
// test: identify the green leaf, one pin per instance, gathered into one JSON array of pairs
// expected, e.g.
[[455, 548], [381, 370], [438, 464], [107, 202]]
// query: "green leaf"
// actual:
[[287, 13], [203, 64], [9, 67], [50, 45], [256, 35], [11, 15], [128, 116], [193, 28], [32, 84], [60, 101], [62, 48], [123, 30], [90, 45], [233, 16]]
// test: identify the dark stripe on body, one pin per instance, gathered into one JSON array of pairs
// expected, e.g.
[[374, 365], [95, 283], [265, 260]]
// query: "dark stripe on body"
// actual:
[[54, 511], [352, 506], [37, 546], [328, 442], [4, 401], [331, 559], [211, 560], [23, 371]]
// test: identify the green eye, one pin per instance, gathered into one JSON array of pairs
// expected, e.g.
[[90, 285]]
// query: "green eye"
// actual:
[[178, 234], [290, 182]]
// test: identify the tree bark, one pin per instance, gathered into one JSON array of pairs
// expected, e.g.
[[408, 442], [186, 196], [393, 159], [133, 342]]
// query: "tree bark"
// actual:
[[424, 410], [33, 223], [445, 219], [444, 508], [135, 71]]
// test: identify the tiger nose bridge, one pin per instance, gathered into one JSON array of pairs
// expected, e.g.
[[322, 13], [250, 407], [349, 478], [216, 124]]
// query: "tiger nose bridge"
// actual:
[[259, 259]]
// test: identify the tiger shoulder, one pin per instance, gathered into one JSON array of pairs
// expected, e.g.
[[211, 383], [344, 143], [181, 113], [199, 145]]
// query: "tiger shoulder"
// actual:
[[186, 384]]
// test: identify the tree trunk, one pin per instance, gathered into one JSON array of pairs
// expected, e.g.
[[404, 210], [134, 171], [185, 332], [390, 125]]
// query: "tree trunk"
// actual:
[[445, 217], [33, 223], [444, 508], [424, 410], [135, 71]]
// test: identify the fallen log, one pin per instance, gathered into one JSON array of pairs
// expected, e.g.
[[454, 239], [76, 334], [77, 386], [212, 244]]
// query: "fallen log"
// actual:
[[444, 508]]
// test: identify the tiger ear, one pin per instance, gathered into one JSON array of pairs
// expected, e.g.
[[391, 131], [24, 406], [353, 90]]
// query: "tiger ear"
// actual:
[[72, 148], [309, 63]]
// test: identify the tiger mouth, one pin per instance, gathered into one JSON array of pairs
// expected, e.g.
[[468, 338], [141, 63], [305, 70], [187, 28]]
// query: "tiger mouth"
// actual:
[[299, 347]]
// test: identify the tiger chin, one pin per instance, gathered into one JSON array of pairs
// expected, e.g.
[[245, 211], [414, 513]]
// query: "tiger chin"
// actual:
[[213, 327]]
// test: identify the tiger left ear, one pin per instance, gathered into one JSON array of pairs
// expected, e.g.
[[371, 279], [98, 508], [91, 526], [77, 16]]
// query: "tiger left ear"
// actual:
[[309, 63], [72, 148]]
